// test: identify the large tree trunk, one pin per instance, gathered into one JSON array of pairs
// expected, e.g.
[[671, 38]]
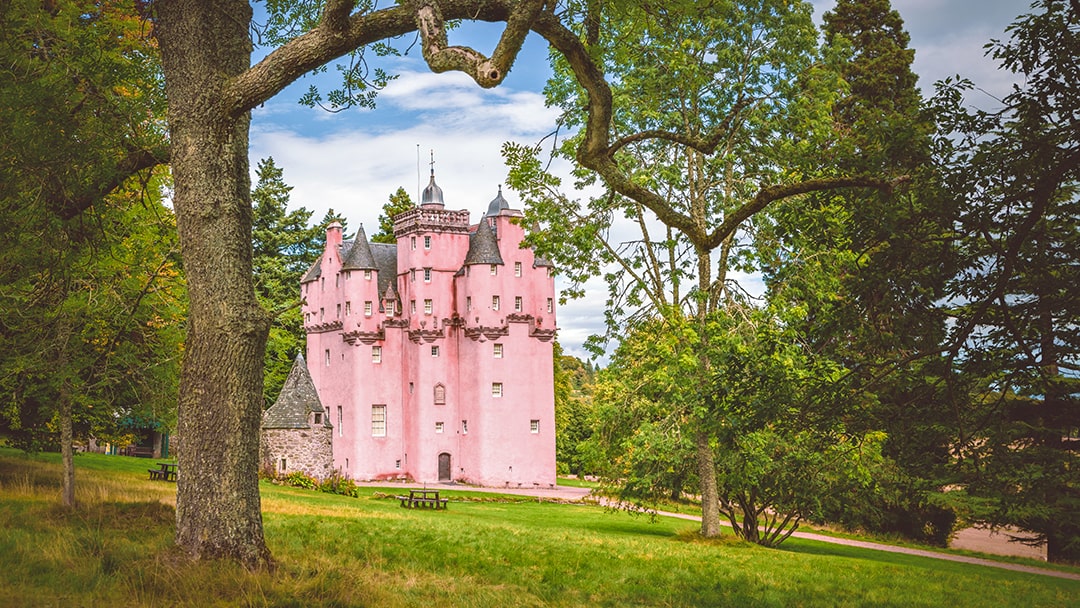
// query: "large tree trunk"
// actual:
[[706, 461], [218, 510]]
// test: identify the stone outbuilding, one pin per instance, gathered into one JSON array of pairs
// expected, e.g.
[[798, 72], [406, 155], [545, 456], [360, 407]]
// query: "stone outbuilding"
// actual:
[[296, 435]]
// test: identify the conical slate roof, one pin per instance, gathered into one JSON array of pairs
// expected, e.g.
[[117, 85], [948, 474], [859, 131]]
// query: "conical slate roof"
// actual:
[[359, 256], [297, 400], [483, 246]]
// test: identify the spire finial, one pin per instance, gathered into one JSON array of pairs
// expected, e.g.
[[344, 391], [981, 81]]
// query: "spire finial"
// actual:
[[432, 163]]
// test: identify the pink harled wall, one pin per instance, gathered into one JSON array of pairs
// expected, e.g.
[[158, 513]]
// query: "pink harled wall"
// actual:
[[494, 419]]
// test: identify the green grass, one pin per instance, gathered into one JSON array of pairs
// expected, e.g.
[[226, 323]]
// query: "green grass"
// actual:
[[116, 549]]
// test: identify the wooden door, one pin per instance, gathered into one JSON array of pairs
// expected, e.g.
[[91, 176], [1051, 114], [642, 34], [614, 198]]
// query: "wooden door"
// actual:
[[444, 467]]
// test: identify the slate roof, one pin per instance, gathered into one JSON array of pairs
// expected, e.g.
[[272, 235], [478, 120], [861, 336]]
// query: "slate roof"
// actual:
[[385, 256], [433, 194], [297, 400], [497, 205], [483, 246], [359, 255]]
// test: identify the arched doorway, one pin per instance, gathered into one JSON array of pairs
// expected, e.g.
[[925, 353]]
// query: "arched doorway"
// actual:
[[444, 466]]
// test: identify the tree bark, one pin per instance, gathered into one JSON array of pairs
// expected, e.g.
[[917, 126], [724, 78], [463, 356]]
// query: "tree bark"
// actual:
[[66, 449], [218, 508]]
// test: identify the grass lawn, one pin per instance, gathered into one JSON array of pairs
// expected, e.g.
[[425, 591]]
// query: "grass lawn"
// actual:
[[116, 549]]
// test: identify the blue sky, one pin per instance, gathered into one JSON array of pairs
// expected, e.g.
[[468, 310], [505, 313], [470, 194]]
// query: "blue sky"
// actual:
[[353, 160]]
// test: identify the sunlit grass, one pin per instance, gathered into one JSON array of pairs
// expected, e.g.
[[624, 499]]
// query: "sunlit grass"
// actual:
[[117, 548]]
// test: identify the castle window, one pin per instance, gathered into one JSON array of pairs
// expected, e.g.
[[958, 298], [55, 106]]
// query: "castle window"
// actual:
[[322, 284], [468, 303], [368, 307], [494, 269], [464, 427], [317, 417], [338, 312], [367, 275], [440, 394], [517, 269], [551, 271], [410, 388], [496, 389], [428, 306], [337, 280], [498, 351], [328, 357], [322, 314], [534, 426], [412, 242], [378, 421], [348, 308], [518, 304], [434, 351], [438, 427], [427, 275], [376, 354], [412, 275], [412, 307], [339, 430], [281, 465], [551, 305], [494, 302], [427, 242]]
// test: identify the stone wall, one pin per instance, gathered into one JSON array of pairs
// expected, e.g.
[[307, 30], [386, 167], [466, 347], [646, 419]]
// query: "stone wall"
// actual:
[[306, 450]]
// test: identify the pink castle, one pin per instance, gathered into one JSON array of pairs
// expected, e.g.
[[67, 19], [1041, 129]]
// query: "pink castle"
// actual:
[[433, 357]]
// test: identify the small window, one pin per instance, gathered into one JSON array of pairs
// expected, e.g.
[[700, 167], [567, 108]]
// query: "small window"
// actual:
[[369, 307], [438, 427], [397, 464], [494, 269], [412, 275], [282, 465], [428, 306], [496, 389], [534, 426], [378, 421], [434, 351], [551, 305], [337, 280], [376, 354], [494, 302], [412, 307], [322, 314], [338, 313], [322, 284], [348, 308], [411, 387], [318, 417], [468, 303], [328, 357], [427, 275], [440, 394], [339, 430], [517, 269], [412, 242], [464, 427], [367, 275], [498, 351], [518, 304], [427, 242]]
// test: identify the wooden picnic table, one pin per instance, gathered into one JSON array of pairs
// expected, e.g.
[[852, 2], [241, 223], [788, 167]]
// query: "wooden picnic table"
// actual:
[[423, 498], [166, 471]]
